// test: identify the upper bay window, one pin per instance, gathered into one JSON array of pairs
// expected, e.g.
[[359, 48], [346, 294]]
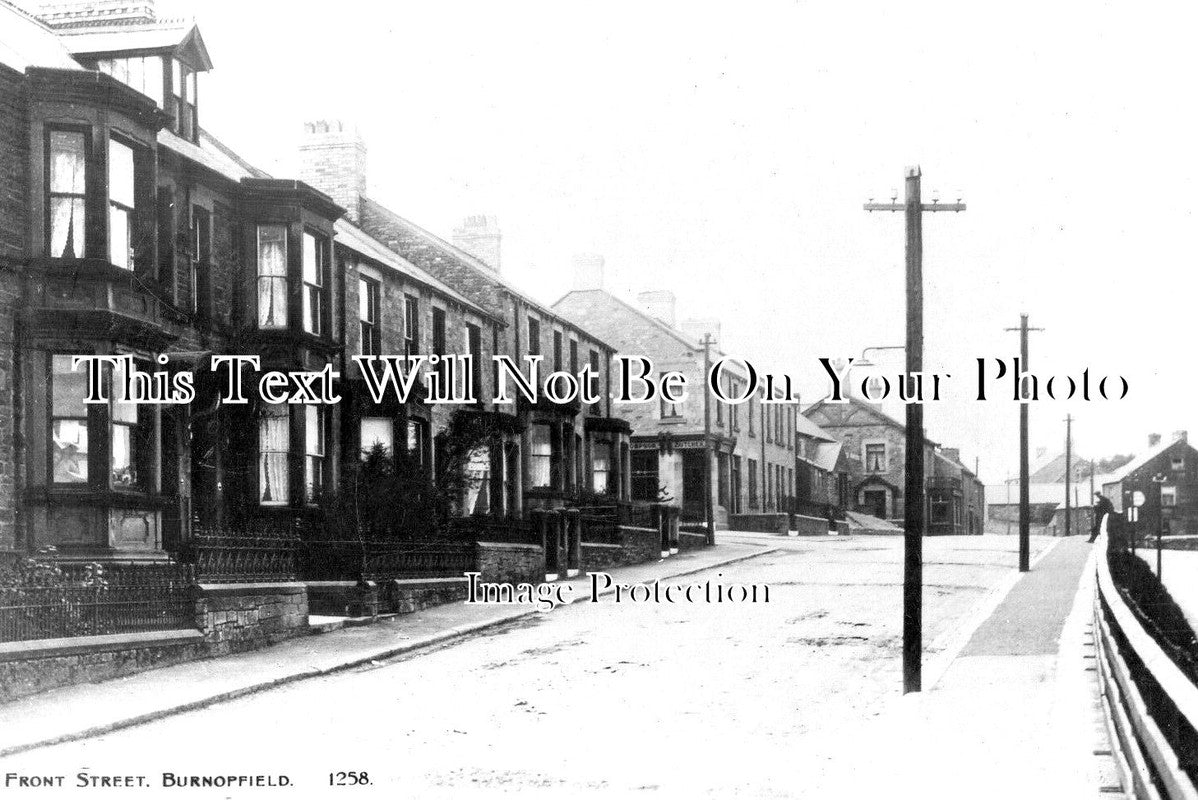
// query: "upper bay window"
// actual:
[[121, 201], [67, 193], [272, 276], [315, 248]]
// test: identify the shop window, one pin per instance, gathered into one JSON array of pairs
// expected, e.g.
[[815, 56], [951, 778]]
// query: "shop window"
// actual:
[[274, 442], [67, 193], [272, 276], [540, 456], [376, 431], [68, 422]]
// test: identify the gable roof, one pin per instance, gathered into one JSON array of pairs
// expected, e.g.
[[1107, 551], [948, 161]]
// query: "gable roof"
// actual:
[[180, 36], [26, 41], [805, 427], [1143, 458]]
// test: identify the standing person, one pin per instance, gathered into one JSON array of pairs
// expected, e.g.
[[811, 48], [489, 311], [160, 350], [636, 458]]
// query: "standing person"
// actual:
[[1103, 510]]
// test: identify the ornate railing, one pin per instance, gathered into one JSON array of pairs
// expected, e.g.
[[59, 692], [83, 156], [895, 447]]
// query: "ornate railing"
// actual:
[[230, 558], [348, 559], [511, 530], [85, 601]]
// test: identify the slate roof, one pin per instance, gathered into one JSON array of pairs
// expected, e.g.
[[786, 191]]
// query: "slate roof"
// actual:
[[1141, 459], [28, 42]]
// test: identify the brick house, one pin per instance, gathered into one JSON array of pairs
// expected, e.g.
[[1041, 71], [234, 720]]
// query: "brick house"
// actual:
[[1166, 474], [126, 229], [752, 468], [563, 450]]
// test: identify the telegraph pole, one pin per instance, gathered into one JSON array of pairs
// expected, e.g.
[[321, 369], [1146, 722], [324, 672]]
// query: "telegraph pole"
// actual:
[[708, 505], [1025, 516], [1068, 471], [913, 493]]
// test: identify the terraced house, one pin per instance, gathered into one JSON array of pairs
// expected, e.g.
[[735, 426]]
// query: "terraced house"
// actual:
[[127, 230]]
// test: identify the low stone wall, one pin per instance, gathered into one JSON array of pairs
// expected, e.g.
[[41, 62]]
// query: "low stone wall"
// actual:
[[691, 540], [761, 523], [842, 527], [245, 616], [409, 596], [228, 618], [30, 667], [343, 598], [637, 545], [500, 562], [809, 526]]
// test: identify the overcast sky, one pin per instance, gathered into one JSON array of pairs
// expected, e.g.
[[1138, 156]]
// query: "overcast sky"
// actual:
[[724, 151]]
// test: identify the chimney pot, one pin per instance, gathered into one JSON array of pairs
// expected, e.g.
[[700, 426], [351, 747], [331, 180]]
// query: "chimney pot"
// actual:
[[588, 271]]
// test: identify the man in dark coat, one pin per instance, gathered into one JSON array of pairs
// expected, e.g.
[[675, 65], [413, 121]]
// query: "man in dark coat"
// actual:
[[1102, 508]]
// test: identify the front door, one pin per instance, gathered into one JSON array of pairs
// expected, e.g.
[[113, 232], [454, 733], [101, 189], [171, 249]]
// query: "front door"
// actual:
[[874, 502], [694, 483]]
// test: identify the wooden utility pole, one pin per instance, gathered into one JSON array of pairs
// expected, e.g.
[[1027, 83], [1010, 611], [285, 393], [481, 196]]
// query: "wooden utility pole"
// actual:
[[913, 492], [708, 467], [1025, 516], [1068, 473]]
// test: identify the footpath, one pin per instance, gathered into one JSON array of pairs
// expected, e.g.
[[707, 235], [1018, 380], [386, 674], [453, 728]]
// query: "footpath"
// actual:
[[79, 712], [1014, 714]]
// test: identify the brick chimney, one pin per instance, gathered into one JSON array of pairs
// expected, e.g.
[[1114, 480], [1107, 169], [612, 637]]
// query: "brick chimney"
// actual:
[[952, 453], [1181, 436], [1154, 439], [696, 328], [333, 160], [588, 272], [479, 236], [660, 304], [89, 13]]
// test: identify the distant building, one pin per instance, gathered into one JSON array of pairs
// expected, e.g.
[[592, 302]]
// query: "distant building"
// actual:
[[875, 446], [1166, 475], [752, 469]]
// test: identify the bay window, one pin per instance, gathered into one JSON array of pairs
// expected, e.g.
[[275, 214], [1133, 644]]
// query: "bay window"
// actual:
[[68, 422], [272, 276], [314, 455], [600, 465], [376, 431], [313, 274], [274, 442], [121, 199], [67, 193], [540, 456], [132, 436]]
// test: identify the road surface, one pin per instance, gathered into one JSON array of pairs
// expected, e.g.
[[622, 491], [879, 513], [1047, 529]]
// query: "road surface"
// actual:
[[700, 699]]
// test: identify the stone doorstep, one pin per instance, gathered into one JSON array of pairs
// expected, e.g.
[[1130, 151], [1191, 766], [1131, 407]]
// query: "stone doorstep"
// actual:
[[82, 645]]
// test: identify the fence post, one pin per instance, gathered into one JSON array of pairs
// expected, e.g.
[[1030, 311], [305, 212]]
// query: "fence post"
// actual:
[[573, 526]]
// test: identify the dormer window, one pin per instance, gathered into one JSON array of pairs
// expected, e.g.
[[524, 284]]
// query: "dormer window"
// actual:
[[181, 105], [143, 73]]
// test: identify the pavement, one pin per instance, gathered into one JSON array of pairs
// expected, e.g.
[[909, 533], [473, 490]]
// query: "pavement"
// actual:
[[79, 712], [1014, 713]]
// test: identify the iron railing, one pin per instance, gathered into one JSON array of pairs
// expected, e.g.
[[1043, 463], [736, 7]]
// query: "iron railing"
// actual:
[[122, 601], [347, 559], [230, 558]]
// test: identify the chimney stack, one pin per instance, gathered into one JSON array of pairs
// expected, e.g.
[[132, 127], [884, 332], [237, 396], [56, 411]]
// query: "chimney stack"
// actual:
[[588, 272], [479, 236], [696, 328], [660, 304], [89, 13], [1181, 436], [333, 160], [1040, 451], [1154, 439]]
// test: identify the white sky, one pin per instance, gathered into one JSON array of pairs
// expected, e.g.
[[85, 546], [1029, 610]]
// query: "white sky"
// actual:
[[723, 151]]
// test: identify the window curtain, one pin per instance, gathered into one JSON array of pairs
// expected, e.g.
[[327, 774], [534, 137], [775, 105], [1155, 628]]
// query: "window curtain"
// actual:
[[541, 456], [272, 276], [273, 444], [478, 482], [67, 177], [600, 465]]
